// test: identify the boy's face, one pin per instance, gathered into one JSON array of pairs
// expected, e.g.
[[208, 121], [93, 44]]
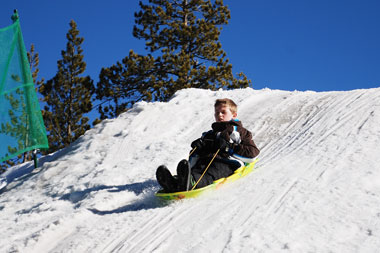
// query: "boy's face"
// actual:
[[223, 113]]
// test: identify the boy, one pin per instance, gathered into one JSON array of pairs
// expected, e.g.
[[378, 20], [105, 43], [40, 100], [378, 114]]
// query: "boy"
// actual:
[[228, 137]]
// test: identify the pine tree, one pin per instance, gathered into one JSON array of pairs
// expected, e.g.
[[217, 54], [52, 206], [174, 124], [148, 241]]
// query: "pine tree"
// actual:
[[182, 37], [34, 61], [67, 95]]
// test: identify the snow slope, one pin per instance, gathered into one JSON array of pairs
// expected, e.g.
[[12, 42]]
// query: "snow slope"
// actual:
[[316, 189]]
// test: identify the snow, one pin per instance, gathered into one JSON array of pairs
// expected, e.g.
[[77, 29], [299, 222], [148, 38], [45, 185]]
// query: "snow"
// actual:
[[316, 187]]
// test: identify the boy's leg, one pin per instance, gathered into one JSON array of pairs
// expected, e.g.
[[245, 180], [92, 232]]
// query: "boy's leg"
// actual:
[[220, 170], [187, 177], [216, 171], [184, 175], [165, 179], [197, 172], [205, 180]]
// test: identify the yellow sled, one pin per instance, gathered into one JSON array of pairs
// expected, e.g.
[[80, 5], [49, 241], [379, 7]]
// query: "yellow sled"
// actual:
[[241, 172]]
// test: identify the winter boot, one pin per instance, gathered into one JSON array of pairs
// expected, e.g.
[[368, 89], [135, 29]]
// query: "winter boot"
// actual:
[[184, 175], [165, 179]]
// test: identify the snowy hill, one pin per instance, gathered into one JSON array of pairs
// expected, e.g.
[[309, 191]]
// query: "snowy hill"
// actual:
[[316, 189]]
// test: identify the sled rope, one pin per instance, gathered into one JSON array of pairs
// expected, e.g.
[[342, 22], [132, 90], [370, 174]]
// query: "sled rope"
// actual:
[[192, 151], [216, 153]]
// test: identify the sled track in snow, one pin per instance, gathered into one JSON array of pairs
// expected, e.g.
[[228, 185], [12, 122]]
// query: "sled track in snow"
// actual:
[[284, 199], [289, 199]]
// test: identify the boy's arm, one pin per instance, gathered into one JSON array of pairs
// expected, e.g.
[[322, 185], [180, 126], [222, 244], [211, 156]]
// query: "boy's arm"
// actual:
[[204, 143], [247, 146]]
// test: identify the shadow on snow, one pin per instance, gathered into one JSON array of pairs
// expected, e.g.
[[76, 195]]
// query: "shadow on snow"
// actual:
[[144, 190]]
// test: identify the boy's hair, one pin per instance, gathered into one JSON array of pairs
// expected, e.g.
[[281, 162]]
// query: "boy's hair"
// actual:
[[228, 102]]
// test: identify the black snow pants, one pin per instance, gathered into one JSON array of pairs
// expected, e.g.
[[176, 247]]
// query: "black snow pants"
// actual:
[[219, 168]]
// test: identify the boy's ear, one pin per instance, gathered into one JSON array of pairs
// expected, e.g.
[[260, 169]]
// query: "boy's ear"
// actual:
[[234, 115]]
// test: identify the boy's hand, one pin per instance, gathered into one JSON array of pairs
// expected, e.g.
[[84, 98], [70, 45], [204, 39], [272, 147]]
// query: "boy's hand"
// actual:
[[222, 126], [198, 143], [203, 146], [222, 144], [225, 135], [202, 143]]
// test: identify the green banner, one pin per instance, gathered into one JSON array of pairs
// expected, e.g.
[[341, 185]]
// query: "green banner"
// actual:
[[21, 125]]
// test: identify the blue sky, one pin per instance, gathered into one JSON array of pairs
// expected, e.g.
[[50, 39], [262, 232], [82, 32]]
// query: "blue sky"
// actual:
[[301, 45]]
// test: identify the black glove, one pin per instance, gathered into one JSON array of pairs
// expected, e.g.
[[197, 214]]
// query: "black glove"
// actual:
[[198, 143], [203, 146], [225, 135], [222, 144], [221, 126]]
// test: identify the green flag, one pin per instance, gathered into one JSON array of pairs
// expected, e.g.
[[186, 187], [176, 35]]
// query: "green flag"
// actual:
[[21, 125]]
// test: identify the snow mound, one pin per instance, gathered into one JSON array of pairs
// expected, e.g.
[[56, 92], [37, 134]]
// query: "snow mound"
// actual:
[[317, 187]]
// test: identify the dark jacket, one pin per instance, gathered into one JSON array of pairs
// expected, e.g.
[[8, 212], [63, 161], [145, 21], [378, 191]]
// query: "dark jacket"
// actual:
[[241, 142], [240, 148]]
